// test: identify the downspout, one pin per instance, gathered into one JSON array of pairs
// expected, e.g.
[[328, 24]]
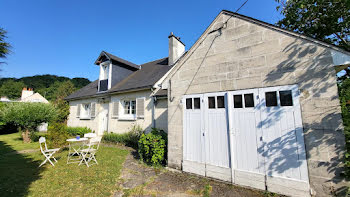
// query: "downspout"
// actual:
[[153, 110]]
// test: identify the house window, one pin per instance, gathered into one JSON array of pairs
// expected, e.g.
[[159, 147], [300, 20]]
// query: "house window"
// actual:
[[85, 111], [129, 107]]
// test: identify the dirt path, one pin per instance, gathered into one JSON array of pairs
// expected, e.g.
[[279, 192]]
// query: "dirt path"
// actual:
[[140, 180]]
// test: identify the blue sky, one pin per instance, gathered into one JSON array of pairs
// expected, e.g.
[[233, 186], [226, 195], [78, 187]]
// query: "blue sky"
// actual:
[[64, 37]]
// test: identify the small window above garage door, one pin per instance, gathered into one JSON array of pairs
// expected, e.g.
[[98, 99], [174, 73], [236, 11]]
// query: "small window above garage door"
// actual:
[[216, 102], [244, 100], [193, 103], [281, 98]]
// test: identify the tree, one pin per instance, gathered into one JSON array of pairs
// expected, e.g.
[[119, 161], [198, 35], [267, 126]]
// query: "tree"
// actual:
[[12, 89], [65, 88], [4, 46], [27, 116], [328, 21]]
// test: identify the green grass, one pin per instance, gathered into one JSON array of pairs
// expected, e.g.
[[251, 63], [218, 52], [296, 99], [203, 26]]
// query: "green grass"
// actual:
[[15, 142], [21, 176]]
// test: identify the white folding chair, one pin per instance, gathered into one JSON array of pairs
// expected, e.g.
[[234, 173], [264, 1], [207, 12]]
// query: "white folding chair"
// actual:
[[88, 153], [48, 153], [90, 135]]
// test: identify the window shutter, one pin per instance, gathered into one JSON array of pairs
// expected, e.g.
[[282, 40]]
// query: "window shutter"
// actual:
[[140, 107], [93, 110], [115, 113], [78, 110]]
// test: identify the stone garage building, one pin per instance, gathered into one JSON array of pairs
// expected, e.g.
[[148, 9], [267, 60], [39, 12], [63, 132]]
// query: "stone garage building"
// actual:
[[257, 105]]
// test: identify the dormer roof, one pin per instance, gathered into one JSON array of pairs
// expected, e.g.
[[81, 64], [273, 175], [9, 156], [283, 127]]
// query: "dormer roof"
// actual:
[[107, 56], [144, 78]]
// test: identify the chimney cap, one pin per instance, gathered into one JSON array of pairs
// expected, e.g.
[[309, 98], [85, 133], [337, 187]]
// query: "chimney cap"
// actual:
[[177, 38]]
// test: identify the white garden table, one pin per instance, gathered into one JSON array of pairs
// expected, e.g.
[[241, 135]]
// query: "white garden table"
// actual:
[[74, 148]]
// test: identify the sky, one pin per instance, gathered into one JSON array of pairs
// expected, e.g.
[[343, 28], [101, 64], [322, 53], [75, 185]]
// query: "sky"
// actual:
[[65, 37]]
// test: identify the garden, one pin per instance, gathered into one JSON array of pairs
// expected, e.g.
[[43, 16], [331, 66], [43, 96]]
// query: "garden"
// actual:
[[20, 154]]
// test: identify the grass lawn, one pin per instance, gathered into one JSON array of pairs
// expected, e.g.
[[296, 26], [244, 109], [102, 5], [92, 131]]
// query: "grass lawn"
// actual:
[[21, 176], [15, 142]]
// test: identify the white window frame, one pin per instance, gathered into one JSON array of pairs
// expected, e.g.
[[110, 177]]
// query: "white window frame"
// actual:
[[130, 115], [85, 111]]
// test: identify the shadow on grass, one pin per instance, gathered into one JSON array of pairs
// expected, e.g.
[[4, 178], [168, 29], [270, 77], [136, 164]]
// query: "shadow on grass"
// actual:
[[17, 172]]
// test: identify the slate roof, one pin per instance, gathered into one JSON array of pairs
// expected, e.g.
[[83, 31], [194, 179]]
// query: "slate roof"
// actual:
[[114, 58], [144, 78]]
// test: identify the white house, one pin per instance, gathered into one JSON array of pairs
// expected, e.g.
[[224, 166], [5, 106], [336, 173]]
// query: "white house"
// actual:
[[125, 95]]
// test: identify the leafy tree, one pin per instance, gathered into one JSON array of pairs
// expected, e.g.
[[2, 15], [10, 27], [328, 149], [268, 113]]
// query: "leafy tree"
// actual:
[[27, 116], [12, 89], [65, 88], [328, 21], [4, 46]]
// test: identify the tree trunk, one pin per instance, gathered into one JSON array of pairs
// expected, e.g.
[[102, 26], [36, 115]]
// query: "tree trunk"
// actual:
[[26, 136]]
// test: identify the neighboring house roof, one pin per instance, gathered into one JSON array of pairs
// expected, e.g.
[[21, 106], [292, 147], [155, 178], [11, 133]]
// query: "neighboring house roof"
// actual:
[[35, 98], [114, 58], [144, 78]]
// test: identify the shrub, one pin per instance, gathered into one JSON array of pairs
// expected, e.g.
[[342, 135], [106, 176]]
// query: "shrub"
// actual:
[[57, 135], [74, 131], [153, 147], [34, 136], [130, 138]]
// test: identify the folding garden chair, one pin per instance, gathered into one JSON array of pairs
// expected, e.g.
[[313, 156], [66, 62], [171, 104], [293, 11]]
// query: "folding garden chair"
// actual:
[[90, 135], [88, 153], [48, 153]]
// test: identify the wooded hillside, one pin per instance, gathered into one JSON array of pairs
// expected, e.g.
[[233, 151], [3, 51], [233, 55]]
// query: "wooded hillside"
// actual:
[[46, 85]]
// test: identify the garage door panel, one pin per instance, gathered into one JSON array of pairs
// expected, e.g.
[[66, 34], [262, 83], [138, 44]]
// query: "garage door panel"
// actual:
[[245, 118], [253, 138], [283, 154], [218, 149]]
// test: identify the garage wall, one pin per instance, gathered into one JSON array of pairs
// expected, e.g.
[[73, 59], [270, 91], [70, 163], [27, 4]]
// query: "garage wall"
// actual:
[[73, 121], [246, 55]]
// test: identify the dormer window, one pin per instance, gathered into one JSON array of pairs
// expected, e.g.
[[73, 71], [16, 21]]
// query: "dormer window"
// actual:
[[104, 76]]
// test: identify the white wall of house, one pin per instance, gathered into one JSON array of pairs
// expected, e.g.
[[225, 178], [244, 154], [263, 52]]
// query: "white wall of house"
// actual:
[[121, 123], [74, 121], [161, 114]]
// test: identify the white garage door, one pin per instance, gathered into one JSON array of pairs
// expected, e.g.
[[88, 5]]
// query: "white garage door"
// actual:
[[259, 130]]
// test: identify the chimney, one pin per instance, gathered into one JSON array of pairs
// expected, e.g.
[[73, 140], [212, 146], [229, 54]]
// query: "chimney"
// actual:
[[176, 49], [26, 92]]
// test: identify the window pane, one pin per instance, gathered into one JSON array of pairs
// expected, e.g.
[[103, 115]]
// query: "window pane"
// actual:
[[197, 103], [133, 107], [189, 103], [221, 101], [286, 98], [211, 102], [126, 107], [271, 99], [237, 101], [249, 100]]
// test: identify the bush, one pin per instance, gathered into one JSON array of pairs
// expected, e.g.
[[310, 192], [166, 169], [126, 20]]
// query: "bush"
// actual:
[[74, 131], [57, 135], [153, 147], [34, 136], [130, 138]]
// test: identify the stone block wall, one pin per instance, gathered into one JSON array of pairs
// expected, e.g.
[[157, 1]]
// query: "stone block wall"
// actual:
[[245, 55]]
